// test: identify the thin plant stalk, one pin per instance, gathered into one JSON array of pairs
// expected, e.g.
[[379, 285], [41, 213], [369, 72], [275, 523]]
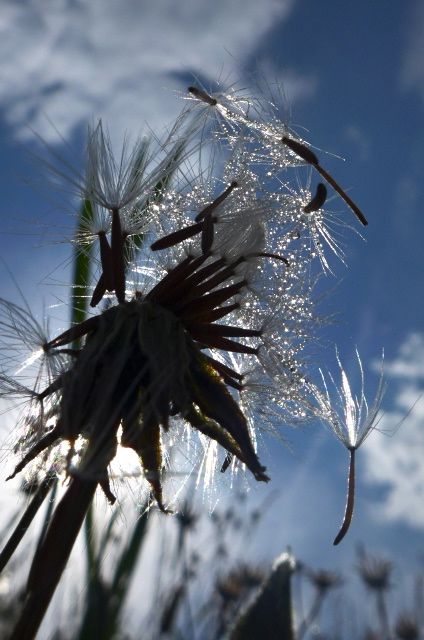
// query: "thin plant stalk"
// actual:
[[312, 615], [350, 500], [78, 497], [49, 511], [26, 519], [383, 614], [52, 556]]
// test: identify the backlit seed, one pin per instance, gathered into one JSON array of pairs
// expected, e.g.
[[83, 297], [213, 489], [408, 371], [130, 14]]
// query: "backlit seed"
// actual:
[[203, 96], [318, 200]]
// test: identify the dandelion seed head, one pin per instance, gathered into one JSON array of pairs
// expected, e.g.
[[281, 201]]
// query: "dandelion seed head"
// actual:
[[375, 572], [324, 580], [230, 314], [204, 251], [407, 626]]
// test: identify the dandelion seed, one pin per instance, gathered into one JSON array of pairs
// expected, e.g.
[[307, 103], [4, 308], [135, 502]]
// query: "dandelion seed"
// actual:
[[350, 501], [219, 200], [351, 422], [202, 95], [114, 183], [308, 156], [350, 203], [318, 200], [300, 150], [177, 236]]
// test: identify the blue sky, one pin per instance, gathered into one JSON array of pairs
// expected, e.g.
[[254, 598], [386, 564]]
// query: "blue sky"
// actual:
[[354, 78]]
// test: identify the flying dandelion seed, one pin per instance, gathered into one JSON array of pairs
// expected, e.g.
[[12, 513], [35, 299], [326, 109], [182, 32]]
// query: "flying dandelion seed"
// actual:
[[212, 338], [351, 421]]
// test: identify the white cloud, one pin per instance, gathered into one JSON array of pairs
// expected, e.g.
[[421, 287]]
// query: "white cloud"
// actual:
[[71, 60], [409, 365], [359, 139], [285, 85], [396, 461], [412, 71]]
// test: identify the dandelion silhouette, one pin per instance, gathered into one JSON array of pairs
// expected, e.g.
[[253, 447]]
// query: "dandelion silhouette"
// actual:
[[212, 341]]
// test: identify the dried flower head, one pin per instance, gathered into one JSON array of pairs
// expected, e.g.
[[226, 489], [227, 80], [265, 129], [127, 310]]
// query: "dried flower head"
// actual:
[[206, 306], [407, 627], [375, 572], [324, 580], [239, 581]]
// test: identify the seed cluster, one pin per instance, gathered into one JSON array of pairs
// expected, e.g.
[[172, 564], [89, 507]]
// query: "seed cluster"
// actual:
[[202, 303]]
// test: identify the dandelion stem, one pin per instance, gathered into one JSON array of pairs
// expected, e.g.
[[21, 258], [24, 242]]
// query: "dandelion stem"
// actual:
[[382, 613], [213, 282], [217, 342], [27, 518], [347, 519], [56, 385], [228, 460], [312, 615], [225, 330], [172, 277], [51, 558]]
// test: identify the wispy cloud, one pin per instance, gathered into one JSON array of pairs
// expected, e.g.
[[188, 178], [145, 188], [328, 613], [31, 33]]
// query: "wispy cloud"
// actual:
[[396, 462], [357, 136], [412, 70], [70, 60]]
